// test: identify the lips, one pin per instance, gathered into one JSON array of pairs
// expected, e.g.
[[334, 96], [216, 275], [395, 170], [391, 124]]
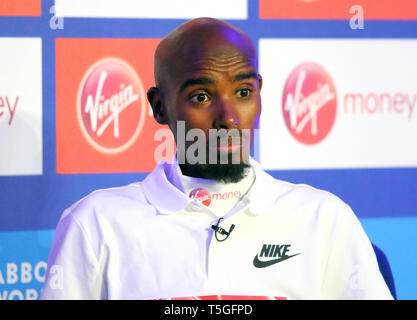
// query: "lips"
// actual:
[[229, 148], [233, 144]]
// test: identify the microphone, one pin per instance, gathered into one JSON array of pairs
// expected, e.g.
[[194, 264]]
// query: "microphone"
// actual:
[[221, 231]]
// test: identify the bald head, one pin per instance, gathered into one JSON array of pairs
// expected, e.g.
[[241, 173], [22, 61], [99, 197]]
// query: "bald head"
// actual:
[[185, 46]]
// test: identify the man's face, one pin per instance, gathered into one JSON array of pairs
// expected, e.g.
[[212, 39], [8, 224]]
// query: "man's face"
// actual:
[[207, 81], [215, 87]]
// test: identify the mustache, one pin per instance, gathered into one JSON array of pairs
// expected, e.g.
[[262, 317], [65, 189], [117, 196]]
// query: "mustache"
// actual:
[[229, 136]]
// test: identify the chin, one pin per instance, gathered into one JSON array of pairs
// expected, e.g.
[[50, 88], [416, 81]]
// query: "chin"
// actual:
[[227, 173]]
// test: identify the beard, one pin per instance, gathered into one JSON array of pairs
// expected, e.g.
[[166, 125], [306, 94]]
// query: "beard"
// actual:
[[222, 172], [228, 166], [226, 173]]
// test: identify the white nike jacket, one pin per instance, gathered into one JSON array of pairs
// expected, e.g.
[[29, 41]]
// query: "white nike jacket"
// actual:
[[148, 240]]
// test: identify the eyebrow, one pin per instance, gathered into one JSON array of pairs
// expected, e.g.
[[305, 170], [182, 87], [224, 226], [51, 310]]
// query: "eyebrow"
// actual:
[[206, 81], [195, 81], [244, 76]]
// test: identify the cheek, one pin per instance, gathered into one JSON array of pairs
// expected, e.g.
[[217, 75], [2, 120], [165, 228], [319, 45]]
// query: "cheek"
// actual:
[[195, 124], [198, 119], [249, 117]]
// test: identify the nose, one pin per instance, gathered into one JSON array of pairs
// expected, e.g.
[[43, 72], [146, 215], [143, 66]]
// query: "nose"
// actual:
[[226, 116]]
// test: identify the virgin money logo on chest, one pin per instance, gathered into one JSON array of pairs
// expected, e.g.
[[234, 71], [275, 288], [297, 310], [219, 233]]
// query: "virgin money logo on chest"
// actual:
[[201, 195], [111, 105], [206, 197], [309, 103]]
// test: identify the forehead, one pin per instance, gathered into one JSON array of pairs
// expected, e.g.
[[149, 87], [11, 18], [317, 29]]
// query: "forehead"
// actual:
[[212, 58], [219, 56], [201, 47]]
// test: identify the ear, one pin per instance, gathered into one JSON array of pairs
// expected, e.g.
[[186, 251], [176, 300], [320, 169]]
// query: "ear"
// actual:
[[155, 100]]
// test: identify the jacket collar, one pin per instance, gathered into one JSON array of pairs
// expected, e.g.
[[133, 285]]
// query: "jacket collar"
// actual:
[[167, 198]]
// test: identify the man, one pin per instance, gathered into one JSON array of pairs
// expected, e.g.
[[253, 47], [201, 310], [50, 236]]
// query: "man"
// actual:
[[207, 228]]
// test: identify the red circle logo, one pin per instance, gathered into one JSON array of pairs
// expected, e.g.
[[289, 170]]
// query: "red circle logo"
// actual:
[[309, 103], [201, 195], [111, 105]]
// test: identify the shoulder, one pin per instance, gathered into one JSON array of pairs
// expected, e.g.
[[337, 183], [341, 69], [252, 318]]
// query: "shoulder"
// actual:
[[302, 194], [107, 203], [307, 194], [301, 200]]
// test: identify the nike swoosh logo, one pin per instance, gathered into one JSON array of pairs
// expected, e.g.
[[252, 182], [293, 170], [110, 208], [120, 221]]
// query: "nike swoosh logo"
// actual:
[[262, 264]]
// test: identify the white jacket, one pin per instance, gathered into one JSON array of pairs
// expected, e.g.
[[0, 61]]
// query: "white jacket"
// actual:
[[148, 240]]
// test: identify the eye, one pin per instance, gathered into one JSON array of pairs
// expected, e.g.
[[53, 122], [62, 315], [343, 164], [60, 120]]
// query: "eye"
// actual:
[[244, 93], [200, 97]]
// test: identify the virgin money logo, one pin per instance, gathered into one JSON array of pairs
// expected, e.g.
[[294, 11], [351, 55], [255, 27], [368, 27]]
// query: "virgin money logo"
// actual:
[[201, 195], [111, 105], [206, 197], [309, 103]]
